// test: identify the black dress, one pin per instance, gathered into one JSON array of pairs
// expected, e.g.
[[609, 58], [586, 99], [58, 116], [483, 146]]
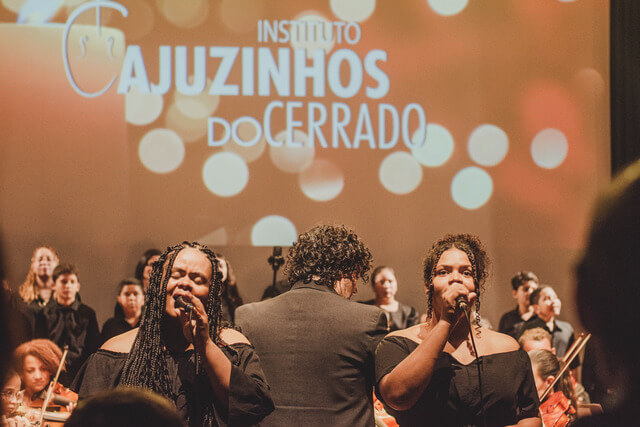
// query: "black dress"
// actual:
[[452, 398], [249, 397]]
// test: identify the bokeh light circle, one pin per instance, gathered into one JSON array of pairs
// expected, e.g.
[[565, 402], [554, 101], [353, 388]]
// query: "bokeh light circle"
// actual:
[[447, 7], [241, 16], [322, 181], [189, 129], [161, 150], [471, 188], [225, 174], [436, 149], [142, 108], [197, 106], [488, 145], [353, 10], [184, 14], [292, 159], [246, 132], [273, 230], [549, 148], [400, 173]]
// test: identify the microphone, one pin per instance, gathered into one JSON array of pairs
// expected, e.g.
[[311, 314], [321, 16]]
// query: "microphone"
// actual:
[[181, 302], [461, 303]]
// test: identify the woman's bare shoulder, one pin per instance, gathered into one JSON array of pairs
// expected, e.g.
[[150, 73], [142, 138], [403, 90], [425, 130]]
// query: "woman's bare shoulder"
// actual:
[[499, 342], [121, 343]]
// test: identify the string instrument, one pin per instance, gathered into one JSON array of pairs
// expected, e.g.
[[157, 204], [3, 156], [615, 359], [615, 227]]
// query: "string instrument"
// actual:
[[556, 409], [51, 407]]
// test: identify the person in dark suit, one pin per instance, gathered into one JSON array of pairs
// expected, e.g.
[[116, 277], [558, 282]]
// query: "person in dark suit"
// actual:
[[316, 346]]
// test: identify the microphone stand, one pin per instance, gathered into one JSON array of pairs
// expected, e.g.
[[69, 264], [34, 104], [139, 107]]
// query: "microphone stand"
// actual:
[[276, 260]]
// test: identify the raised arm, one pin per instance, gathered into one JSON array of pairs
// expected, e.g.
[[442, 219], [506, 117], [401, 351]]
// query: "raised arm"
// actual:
[[402, 387]]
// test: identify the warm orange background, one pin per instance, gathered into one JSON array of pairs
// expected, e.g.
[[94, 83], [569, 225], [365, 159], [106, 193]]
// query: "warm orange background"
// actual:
[[72, 178]]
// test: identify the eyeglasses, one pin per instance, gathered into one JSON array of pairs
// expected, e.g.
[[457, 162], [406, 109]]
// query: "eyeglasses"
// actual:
[[15, 396]]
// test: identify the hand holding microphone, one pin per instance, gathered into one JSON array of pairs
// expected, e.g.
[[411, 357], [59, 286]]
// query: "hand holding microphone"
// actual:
[[181, 302], [461, 303]]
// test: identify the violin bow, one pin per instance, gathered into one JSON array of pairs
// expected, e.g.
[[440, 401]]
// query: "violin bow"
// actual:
[[571, 354], [52, 385]]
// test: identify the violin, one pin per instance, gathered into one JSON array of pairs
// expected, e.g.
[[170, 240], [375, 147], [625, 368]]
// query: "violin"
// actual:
[[557, 410], [53, 405]]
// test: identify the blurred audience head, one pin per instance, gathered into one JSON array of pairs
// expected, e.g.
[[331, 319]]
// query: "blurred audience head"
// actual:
[[608, 287], [125, 407]]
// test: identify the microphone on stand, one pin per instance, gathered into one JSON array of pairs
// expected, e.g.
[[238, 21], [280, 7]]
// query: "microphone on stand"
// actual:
[[181, 302]]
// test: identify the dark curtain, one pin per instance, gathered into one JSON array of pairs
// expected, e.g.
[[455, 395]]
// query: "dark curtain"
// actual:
[[625, 83]]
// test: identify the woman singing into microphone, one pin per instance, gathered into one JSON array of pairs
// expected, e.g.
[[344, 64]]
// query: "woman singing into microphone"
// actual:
[[181, 350], [446, 372]]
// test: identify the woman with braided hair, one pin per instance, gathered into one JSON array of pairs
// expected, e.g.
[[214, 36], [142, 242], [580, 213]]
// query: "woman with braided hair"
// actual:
[[446, 372], [181, 333]]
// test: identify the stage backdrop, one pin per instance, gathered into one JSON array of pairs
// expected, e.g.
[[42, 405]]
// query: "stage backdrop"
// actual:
[[241, 123]]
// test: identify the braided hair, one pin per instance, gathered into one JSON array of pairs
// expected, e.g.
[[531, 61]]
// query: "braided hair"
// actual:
[[146, 365], [470, 245]]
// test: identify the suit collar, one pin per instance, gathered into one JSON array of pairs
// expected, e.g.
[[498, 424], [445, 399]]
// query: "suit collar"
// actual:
[[312, 285]]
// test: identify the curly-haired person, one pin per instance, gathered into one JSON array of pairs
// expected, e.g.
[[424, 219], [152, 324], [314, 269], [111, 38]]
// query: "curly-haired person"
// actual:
[[445, 372], [181, 350], [316, 346]]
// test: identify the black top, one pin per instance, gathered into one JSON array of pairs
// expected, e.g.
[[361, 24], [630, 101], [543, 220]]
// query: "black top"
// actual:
[[115, 326], [452, 398], [403, 318], [74, 325], [508, 321], [249, 398]]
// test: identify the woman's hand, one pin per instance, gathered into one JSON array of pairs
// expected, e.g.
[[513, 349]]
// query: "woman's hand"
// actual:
[[450, 311], [195, 331]]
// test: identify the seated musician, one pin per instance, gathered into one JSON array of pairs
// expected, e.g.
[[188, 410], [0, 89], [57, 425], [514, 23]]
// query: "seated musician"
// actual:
[[175, 340], [11, 398], [560, 408], [36, 362]]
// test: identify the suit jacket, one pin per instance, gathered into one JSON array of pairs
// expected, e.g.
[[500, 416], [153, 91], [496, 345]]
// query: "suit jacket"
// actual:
[[317, 351]]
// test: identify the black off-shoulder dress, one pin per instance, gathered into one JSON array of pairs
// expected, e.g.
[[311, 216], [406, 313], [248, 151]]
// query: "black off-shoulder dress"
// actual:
[[249, 396], [452, 397]]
